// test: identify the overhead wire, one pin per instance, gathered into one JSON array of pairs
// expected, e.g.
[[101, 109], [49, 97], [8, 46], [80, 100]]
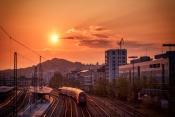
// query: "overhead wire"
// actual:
[[27, 47], [26, 58], [19, 42]]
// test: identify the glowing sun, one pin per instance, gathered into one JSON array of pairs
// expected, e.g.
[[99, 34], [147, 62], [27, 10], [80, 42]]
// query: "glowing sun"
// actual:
[[54, 38]]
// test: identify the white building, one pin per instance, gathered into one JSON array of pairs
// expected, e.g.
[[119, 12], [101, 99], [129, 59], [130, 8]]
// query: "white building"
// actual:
[[113, 59], [158, 68], [73, 75]]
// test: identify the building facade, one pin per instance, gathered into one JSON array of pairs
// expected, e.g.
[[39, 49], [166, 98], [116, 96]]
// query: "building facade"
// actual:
[[113, 59], [73, 74], [100, 74], [87, 79], [158, 68]]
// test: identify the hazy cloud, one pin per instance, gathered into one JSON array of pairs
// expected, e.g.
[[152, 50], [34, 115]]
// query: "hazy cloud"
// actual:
[[95, 37], [72, 30], [95, 43], [89, 31], [100, 35], [95, 28], [137, 44], [46, 49]]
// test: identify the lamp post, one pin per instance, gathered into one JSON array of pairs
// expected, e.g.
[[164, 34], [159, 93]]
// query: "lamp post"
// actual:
[[133, 95], [171, 102]]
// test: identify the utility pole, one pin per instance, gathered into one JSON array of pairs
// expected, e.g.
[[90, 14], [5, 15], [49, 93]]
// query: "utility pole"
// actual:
[[35, 86], [171, 103], [15, 86], [133, 83], [40, 75]]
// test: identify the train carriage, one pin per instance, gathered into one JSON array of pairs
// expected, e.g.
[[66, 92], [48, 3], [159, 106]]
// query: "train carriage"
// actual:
[[77, 94]]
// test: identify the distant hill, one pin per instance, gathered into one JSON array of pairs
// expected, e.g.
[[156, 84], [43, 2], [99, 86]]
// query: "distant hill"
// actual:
[[49, 67], [60, 63]]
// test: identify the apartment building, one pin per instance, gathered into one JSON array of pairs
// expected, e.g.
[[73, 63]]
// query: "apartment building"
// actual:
[[113, 59], [73, 74], [100, 74], [87, 79]]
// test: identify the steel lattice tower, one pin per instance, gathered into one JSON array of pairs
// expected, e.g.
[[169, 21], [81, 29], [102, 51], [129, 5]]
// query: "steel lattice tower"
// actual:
[[15, 86]]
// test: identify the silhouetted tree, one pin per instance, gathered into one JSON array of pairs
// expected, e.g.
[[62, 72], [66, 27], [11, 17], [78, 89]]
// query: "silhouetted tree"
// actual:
[[57, 80], [123, 88], [100, 87]]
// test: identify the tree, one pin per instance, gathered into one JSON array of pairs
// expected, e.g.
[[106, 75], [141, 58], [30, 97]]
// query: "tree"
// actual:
[[73, 82], [144, 81], [57, 80], [111, 89], [100, 87], [152, 81], [123, 88]]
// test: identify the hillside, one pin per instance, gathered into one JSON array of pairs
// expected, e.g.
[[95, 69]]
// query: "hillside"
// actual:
[[49, 67]]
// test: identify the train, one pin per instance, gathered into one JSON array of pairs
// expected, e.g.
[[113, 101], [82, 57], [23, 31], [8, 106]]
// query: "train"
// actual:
[[79, 95]]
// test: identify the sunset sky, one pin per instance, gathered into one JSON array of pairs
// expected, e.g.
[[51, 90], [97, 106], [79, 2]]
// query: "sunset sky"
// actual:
[[86, 29]]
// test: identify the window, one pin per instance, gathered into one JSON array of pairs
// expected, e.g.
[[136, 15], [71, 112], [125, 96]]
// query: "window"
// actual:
[[158, 65], [113, 52], [123, 52]]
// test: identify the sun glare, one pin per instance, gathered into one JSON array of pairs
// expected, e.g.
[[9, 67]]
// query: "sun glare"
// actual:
[[54, 38]]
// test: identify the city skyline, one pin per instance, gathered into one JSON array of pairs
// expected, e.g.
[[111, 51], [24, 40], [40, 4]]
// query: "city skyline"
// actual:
[[85, 29]]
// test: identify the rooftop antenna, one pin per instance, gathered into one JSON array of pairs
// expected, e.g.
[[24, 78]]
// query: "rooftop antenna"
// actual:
[[120, 43]]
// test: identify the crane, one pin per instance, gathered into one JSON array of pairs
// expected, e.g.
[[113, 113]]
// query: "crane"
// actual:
[[120, 43]]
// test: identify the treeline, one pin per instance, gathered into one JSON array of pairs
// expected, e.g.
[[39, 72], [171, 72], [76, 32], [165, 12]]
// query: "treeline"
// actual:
[[124, 88]]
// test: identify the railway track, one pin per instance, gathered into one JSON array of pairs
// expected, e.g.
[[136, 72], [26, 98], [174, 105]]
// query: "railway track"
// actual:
[[7, 101], [22, 101], [74, 110], [101, 111], [122, 109], [50, 112], [130, 110], [68, 110], [58, 106], [8, 106], [85, 112]]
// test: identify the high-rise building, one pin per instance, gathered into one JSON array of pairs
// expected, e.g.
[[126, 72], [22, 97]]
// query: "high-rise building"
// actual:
[[113, 59]]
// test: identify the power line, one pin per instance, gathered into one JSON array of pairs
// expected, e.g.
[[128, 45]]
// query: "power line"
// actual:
[[26, 58], [19, 42], [27, 48]]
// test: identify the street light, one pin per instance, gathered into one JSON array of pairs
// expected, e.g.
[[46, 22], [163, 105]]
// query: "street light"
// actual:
[[133, 95]]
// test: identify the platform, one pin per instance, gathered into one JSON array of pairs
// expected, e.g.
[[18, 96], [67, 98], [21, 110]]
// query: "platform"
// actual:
[[37, 109], [4, 89], [43, 90]]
